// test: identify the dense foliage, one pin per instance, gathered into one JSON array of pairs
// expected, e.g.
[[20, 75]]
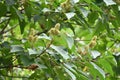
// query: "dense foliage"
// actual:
[[59, 39]]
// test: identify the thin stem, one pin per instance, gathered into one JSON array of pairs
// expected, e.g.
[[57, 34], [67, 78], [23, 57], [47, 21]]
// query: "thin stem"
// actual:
[[14, 76], [45, 49]]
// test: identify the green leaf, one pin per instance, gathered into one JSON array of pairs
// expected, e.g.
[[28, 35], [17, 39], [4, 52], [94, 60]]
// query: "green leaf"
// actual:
[[16, 48], [94, 7], [5, 47], [71, 74], [95, 54], [18, 13], [109, 2], [88, 1], [99, 69], [106, 65], [59, 70], [99, 27], [32, 51], [3, 9], [85, 12], [28, 11], [36, 18], [69, 66], [44, 36], [26, 60], [22, 25], [92, 17], [69, 15], [61, 51], [70, 41], [10, 2]]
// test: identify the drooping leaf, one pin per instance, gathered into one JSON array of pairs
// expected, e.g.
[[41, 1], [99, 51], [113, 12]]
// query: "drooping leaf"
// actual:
[[100, 70], [32, 51], [70, 41], [22, 25], [71, 74], [26, 60], [70, 15], [106, 65], [16, 48], [61, 51], [18, 13], [95, 54], [109, 2]]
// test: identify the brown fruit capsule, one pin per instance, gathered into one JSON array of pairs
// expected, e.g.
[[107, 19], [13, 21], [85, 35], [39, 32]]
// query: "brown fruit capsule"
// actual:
[[32, 67]]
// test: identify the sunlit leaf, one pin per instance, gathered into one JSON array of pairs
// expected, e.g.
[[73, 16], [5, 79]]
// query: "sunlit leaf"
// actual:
[[16, 48], [70, 73], [44, 36], [32, 51], [109, 2], [99, 69], [70, 41], [95, 54], [61, 51], [70, 15]]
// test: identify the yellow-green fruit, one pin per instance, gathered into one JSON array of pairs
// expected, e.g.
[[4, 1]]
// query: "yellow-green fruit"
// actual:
[[30, 38], [92, 44], [79, 50], [94, 38], [57, 26], [32, 32], [66, 5]]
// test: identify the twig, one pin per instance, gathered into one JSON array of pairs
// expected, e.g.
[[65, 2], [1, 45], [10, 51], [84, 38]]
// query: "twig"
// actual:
[[45, 31], [12, 66], [11, 28], [44, 49], [2, 31], [15, 76]]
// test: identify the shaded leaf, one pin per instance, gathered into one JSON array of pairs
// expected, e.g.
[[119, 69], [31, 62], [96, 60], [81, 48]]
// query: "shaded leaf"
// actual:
[[10, 2], [22, 25]]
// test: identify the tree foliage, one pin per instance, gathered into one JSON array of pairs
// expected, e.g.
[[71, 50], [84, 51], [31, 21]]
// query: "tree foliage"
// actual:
[[60, 39]]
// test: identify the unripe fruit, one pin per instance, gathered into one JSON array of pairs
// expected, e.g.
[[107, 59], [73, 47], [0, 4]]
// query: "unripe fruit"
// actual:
[[94, 38], [57, 26], [66, 5], [85, 68], [92, 44], [55, 30]]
